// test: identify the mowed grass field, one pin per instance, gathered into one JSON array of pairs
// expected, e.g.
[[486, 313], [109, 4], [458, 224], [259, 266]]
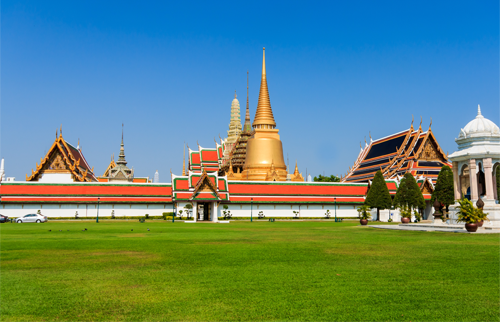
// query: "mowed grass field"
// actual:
[[301, 271]]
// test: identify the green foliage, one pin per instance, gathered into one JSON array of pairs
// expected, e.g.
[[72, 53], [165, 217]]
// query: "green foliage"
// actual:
[[378, 195], [296, 214], [469, 214], [189, 208], [327, 214], [405, 211], [417, 215], [331, 178], [167, 215], [443, 190], [226, 212], [261, 214], [409, 194], [364, 212], [146, 216]]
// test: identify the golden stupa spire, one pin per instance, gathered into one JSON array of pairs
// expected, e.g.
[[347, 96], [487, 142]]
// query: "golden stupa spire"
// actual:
[[184, 162], [264, 118]]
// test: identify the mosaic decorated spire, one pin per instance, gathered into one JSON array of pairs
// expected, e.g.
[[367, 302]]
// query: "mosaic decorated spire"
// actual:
[[235, 123]]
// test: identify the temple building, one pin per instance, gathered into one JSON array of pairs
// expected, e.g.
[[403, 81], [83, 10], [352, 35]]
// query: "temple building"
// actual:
[[413, 151], [118, 171], [63, 163], [264, 152]]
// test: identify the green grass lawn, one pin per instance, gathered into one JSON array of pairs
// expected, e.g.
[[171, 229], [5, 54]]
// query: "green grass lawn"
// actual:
[[245, 271]]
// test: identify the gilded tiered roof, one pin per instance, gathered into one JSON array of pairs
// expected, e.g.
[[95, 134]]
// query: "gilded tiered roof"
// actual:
[[413, 151]]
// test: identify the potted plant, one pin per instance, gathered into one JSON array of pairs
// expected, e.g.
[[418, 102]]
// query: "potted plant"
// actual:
[[469, 214], [364, 214], [327, 214], [296, 214], [405, 214], [437, 209], [261, 215]]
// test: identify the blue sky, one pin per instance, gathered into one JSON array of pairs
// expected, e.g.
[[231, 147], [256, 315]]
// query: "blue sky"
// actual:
[[336, 71]]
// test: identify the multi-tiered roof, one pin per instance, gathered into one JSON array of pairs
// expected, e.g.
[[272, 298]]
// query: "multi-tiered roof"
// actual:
[[413, 151]]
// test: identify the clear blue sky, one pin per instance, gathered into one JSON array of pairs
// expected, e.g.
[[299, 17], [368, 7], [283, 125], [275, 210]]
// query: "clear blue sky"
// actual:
[[336, 70]]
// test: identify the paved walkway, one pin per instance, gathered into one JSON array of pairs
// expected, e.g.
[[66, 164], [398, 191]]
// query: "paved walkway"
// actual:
[[432, 227]]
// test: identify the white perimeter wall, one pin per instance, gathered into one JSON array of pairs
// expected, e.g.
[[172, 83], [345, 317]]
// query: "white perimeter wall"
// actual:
[[284, 210], [68, 210], [237, 210]]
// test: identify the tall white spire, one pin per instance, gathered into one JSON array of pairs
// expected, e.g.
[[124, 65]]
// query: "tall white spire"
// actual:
[[478, 110], [2, 171]]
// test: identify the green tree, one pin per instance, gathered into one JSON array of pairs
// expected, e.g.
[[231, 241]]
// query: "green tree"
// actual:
[[409, 194], [378, 196], [443, 190], [331, 178]]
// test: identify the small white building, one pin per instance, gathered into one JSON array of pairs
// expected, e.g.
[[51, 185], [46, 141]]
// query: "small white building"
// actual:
[[475, 165]]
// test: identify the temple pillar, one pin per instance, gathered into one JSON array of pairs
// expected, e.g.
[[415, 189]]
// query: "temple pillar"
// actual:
[[195, 211], [214, 212], [456, 181], [473, 180], [495, 192], [488, 179]]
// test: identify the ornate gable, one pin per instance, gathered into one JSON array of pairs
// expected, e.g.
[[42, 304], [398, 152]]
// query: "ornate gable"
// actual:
[[63, 158], [205, 189], [430, 150]]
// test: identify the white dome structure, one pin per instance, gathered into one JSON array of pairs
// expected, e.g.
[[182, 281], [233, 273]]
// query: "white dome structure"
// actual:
[[480, 126]]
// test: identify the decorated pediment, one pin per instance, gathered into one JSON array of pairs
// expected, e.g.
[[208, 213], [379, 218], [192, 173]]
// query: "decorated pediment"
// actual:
[[205, 189], [63, 158]]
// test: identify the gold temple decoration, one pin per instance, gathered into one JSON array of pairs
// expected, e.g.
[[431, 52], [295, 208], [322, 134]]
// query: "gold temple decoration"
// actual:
[[264, 153], [297, 176], [184, 161]]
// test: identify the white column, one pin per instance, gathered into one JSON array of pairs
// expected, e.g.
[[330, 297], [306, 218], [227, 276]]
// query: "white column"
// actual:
[[214, 212], [488, 178], [473, 180], [495, 192], [456, 181], [195, 212]]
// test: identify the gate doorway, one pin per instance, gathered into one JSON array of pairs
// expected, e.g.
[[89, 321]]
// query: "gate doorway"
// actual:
[[205, 211]]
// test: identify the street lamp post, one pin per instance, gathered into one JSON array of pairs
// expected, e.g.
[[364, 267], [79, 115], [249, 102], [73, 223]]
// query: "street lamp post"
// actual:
[[97, 218], [251, 209], [335, 209], [173, 211]]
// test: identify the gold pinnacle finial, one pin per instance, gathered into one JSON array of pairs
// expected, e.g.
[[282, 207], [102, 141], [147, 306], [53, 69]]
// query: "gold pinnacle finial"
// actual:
[[184, 161], [56, 133], [60, 131], [235, 94], [264, 114], [430, 124]]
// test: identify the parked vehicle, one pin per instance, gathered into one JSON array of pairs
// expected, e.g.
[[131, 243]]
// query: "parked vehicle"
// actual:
[[3, 218], [32, 218]]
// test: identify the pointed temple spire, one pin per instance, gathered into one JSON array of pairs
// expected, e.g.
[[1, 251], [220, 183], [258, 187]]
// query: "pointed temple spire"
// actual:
[[247, 127], [121, 157], [184, 162], [478, 110], [264, 115]]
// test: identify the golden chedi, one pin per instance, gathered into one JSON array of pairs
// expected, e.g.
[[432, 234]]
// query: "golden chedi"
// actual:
[[264, 158]]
